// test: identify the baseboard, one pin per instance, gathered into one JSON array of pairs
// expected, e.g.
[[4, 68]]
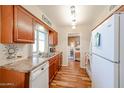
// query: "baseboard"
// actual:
[[65, 65]]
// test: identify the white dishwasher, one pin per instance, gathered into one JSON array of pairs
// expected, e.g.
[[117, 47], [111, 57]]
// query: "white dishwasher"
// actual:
[[39, 77]]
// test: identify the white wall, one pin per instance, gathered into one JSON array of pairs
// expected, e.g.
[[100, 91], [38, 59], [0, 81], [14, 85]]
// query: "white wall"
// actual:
[[104, 15], [63, 41], [36, 11]]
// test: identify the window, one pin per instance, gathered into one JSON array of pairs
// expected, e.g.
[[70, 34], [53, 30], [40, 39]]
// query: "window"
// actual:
[[41, 42]]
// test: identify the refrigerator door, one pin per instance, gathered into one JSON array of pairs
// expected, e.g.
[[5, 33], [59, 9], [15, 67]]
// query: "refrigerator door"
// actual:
[[105, 39], [104, 73]]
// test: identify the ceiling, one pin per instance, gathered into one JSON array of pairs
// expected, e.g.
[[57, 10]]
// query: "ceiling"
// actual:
[[61, 15]]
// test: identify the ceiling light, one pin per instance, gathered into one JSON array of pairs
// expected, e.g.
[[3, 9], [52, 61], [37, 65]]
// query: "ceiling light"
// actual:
[[73, 27], [72, 8], [73, 16]]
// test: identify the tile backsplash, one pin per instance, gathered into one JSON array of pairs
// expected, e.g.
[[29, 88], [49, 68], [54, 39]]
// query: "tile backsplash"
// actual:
[[21, 50]]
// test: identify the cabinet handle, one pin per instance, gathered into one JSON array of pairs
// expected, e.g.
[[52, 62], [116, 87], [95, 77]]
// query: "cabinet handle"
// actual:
[[42, 68]]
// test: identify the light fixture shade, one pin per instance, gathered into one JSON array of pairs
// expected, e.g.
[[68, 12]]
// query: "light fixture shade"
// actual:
[[72, 8]]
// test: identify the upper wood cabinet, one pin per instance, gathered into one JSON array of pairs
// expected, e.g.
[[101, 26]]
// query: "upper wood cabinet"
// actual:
[[53, 38], [0, 23], [23, 25], [7, 24], [16, 25], [56, 38]]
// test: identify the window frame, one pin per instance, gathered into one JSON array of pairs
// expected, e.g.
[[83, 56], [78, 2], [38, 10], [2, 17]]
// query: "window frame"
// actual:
[[37, 41]]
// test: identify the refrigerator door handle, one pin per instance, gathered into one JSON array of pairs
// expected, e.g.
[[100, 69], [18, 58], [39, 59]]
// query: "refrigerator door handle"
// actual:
[[117, 62]]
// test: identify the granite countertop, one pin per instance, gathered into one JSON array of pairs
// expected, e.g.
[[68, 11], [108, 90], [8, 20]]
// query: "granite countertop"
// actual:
[[28, 64]]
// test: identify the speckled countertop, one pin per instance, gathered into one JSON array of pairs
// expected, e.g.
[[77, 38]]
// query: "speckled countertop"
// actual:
[[28, 64]]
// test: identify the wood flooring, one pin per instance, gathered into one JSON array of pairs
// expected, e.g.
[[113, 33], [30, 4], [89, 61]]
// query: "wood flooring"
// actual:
[[71, 76]]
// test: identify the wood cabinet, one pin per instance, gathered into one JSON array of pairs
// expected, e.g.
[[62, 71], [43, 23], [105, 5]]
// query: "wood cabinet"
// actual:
[[54, 66], [56, 38], [13, 79], [7, 23], [53, 38], [77, 56], [51, 70], [60, 60], [16, 25], [23, 25], [0, 23]]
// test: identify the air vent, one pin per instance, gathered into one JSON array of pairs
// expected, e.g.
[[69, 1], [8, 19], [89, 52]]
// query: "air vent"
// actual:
[[112, 7]]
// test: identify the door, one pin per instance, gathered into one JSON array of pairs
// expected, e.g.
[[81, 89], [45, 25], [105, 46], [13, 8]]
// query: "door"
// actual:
[[104, 73], [23, 26], [105, 39]]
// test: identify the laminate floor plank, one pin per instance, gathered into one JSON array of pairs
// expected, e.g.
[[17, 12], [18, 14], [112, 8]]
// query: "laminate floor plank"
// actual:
[[71, 76]]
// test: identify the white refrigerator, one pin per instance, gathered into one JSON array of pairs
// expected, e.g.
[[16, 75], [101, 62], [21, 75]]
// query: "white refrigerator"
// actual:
[[107, 65]]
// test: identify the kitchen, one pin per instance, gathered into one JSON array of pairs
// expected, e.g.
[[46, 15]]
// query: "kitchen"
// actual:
[[33, 50]]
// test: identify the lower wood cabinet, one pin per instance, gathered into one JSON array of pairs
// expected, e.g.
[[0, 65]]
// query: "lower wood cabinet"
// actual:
[[54, 65], [60, 60], [13, 79], [51, 70]]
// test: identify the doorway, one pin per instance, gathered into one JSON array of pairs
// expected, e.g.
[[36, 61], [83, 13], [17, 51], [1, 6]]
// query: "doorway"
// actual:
[[73, 47]]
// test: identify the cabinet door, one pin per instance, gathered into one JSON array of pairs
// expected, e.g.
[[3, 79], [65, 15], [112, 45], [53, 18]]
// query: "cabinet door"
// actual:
[[51, 36], [14, 78], [51, 71], [23, 26], [55, 66], [6, 24], [60, 60], [0, 23], [57, 63], [55, 38]]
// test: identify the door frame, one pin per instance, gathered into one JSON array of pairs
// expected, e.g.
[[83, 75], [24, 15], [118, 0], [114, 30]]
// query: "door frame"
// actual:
[[81, 53]]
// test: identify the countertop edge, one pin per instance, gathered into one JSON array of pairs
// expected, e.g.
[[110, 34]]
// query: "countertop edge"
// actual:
[[28, 71]]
